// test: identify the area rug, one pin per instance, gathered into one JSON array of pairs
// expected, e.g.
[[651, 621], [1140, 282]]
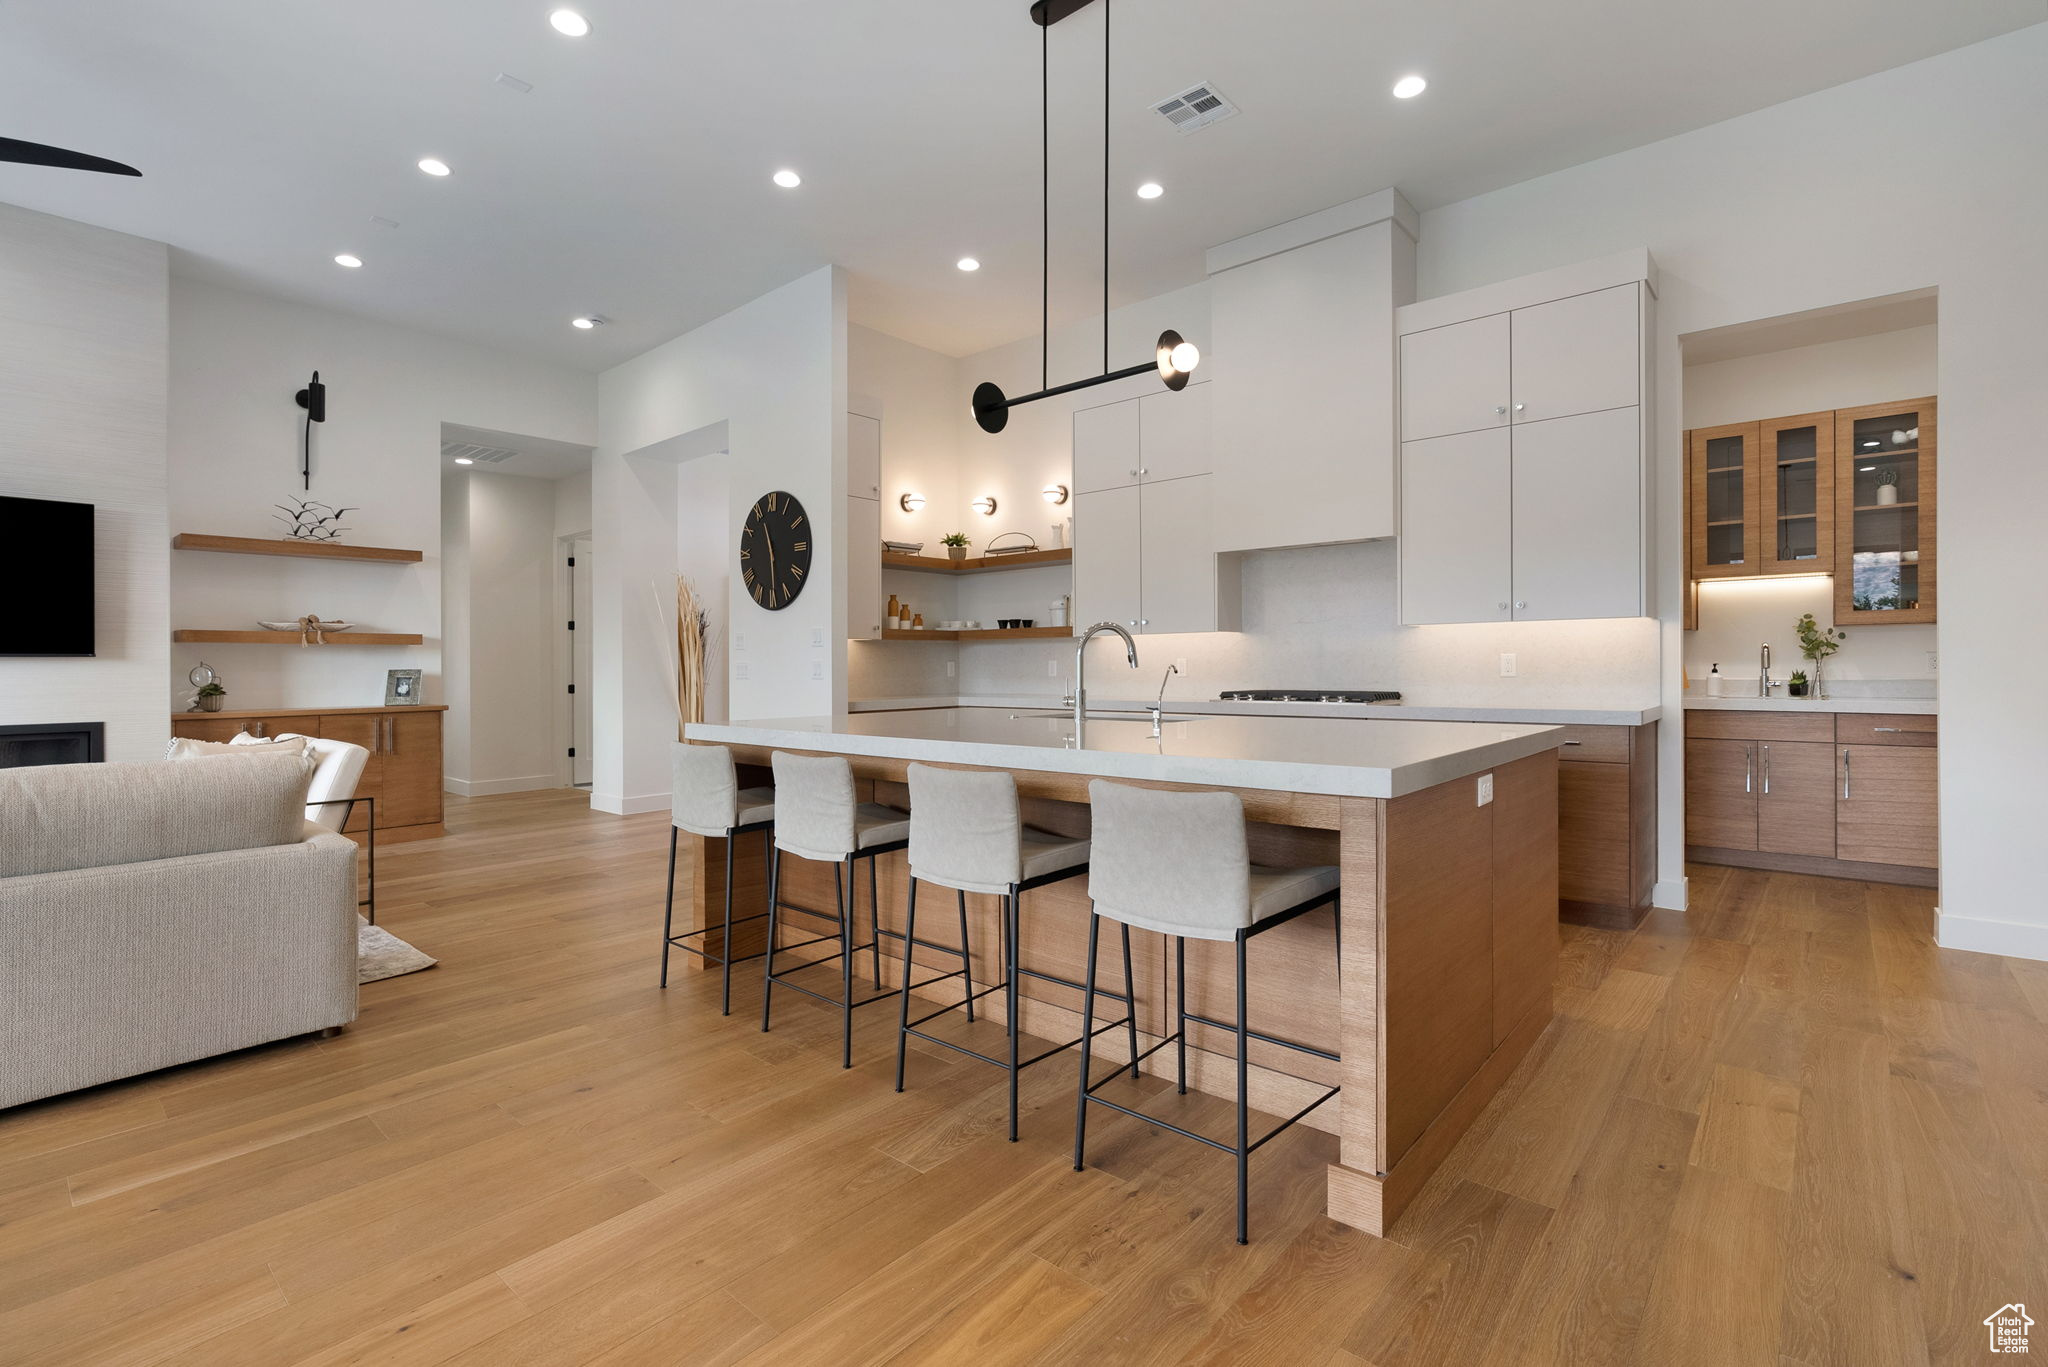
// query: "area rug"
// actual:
[[380, 954]]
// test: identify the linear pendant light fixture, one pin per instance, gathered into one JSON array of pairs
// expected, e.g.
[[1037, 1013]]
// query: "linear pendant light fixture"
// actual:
[[1174, 357]]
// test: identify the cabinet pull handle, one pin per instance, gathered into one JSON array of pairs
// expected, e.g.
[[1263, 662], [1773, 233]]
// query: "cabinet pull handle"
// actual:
[[1749, 768], [1520, 406], [1520, 606], [1500, 408], [1575, 742], [1503, 607], [1888, 729], [1845, 774], [1767, 771]]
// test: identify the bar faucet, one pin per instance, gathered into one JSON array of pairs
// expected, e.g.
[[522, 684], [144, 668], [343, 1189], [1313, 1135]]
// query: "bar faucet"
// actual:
[[1081, 674], [1763, 678], [1159, 703]]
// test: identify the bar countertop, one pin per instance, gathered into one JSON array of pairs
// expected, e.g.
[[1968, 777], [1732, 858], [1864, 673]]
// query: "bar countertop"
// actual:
[[1343, 758]]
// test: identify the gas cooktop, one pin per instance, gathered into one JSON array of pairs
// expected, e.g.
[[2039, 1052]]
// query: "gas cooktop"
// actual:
[[1310, 695]]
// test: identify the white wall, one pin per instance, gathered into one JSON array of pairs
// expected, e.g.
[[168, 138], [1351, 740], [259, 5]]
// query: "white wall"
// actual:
[[236, 361], [772, 375], [1739, 615], [82, 420], [1758, 217]]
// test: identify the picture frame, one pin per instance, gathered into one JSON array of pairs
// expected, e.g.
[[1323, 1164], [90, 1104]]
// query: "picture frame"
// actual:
[[402, 687]]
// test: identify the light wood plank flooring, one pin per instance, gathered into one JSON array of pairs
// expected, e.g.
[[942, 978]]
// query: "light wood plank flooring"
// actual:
[[1779, 1129]]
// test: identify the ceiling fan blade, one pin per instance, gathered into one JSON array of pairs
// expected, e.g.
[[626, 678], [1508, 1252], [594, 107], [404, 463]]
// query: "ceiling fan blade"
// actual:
[[38, 154]]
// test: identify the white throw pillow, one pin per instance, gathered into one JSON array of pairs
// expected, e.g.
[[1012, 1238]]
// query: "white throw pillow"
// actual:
[[183, 747]]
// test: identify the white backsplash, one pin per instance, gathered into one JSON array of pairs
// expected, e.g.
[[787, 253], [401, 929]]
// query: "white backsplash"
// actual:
[[1321, 617]]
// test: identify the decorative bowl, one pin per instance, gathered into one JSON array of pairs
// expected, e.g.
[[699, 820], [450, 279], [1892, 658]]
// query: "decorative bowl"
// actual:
[[294, 626]]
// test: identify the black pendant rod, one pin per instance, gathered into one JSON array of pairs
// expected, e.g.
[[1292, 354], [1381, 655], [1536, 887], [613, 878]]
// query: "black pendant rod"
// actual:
[[1105, 184], [1044, 204]]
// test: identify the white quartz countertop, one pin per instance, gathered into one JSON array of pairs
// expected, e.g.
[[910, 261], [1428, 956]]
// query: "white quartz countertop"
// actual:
[[1403, 711], [1283, 754], [1920, 707]]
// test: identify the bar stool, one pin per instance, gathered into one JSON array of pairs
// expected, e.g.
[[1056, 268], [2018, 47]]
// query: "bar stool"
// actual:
[[709, 801], [966, 834], [818, 818], [1178, 863]]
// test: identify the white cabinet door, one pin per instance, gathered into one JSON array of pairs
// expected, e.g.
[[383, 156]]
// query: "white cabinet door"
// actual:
[[1577, 355], [1455, 378], [1105, 448], [863, 456], [1456, 529], [1106, 557], [863, 569], [1177, 557], [1175, 437], [1578, 510]]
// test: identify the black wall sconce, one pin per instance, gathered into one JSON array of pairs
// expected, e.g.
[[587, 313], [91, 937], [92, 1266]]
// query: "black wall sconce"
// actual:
[[313, 398]]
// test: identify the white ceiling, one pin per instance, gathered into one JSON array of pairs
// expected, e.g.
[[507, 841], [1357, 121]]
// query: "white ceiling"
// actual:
[[633, 180], [534, 457]]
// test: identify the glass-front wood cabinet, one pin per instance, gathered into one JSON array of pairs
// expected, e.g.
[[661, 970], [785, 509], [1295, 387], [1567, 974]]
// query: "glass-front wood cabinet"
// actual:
[[1725, 504], [1798, 515], [1884, 513]]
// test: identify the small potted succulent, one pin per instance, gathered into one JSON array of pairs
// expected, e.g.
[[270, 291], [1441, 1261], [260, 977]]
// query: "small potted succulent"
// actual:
[[1796, 685], [955, 544], [211, 696]]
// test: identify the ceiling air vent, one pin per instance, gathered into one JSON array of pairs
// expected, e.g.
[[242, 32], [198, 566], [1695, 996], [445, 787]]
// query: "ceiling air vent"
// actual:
[[480, 455], [1196, 108]]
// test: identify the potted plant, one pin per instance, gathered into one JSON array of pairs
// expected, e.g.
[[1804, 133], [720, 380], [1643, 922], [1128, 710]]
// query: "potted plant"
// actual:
[[211, 696], [1817, 643], [956, 544], [1796, 685]]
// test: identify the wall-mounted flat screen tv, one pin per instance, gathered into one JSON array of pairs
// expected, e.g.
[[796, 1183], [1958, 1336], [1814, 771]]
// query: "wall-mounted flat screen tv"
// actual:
[[48, 545]]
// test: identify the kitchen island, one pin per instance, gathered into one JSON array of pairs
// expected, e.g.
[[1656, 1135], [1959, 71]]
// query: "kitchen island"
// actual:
[[1446, 836]]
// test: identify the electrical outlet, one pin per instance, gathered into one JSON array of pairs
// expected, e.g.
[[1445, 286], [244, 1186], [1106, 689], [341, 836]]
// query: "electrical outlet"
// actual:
[[1180, 662], [739, 671], [951, 668], [1485, 789], [817, 669], [1507, 664], [1933, 662], [1052, 669]]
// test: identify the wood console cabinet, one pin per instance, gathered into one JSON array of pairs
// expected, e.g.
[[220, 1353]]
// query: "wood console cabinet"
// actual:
[[404, 771], [1849, 795], [1606, 824]]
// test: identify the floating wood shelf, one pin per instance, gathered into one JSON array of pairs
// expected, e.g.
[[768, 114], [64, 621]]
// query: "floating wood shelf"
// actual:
[[292, 638], [310, 550], [999, 634], [976, 564]]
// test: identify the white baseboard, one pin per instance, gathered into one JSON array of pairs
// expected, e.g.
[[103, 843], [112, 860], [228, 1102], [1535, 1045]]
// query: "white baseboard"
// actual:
[[490, 787], [2015, 939], [619, 805], [1669, 894]]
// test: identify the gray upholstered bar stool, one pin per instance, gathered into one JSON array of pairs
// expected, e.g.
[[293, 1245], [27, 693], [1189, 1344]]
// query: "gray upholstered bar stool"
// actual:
[[1179, 864], [709, 801], [966, 833], [817, 817]]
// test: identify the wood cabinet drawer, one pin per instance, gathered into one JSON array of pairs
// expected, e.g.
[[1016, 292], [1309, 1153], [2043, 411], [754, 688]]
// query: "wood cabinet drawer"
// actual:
[[1594, 830], [1815, 726], [1596, 744], [1885, 729]]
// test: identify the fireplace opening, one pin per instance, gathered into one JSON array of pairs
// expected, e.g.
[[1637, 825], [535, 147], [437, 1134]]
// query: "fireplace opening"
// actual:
[[82, 742]]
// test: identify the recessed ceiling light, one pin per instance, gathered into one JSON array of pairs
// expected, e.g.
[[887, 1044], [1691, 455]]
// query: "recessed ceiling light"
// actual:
[[434, 166], [1408, 87], [788, 180], [968, 263], [348, 259], [464, 460], [588, 321], [569, 23], [1151, 189]]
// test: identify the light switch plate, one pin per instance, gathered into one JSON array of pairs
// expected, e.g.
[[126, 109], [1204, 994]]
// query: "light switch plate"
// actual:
[[951, 669], [739, 671], [1485, 789], [739, 640], [817, 669], [1052, 669], [1933, 662], [817, 636]]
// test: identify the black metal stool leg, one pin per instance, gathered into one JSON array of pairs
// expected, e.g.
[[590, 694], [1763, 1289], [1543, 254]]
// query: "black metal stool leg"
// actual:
[[725, 947], [774, 907], [875, 919], [1180, 1000], [1243, 1100], [668, 916], [843, 891], [1012, 930], [903, 1019], [1130, 999], [966, 961], [1087, 1041]]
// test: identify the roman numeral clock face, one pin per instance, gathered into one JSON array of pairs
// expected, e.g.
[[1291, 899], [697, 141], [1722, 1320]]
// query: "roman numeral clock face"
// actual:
[[775, 550]]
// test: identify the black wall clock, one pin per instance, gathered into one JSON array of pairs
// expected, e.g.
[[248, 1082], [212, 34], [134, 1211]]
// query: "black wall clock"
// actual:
[[775, 550]]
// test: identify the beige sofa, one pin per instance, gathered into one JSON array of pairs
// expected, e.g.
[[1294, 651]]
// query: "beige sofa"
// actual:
[[151, 914]]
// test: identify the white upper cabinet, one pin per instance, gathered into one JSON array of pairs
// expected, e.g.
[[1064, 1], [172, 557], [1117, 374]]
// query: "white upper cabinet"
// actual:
[[1577, 355], [1107, 540], [1578, 531], [863, 456], [1455, 378], [1106, 447], [1456, 529], [1175, 435], [863, 569], [1176, 566], [1526, 407]]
